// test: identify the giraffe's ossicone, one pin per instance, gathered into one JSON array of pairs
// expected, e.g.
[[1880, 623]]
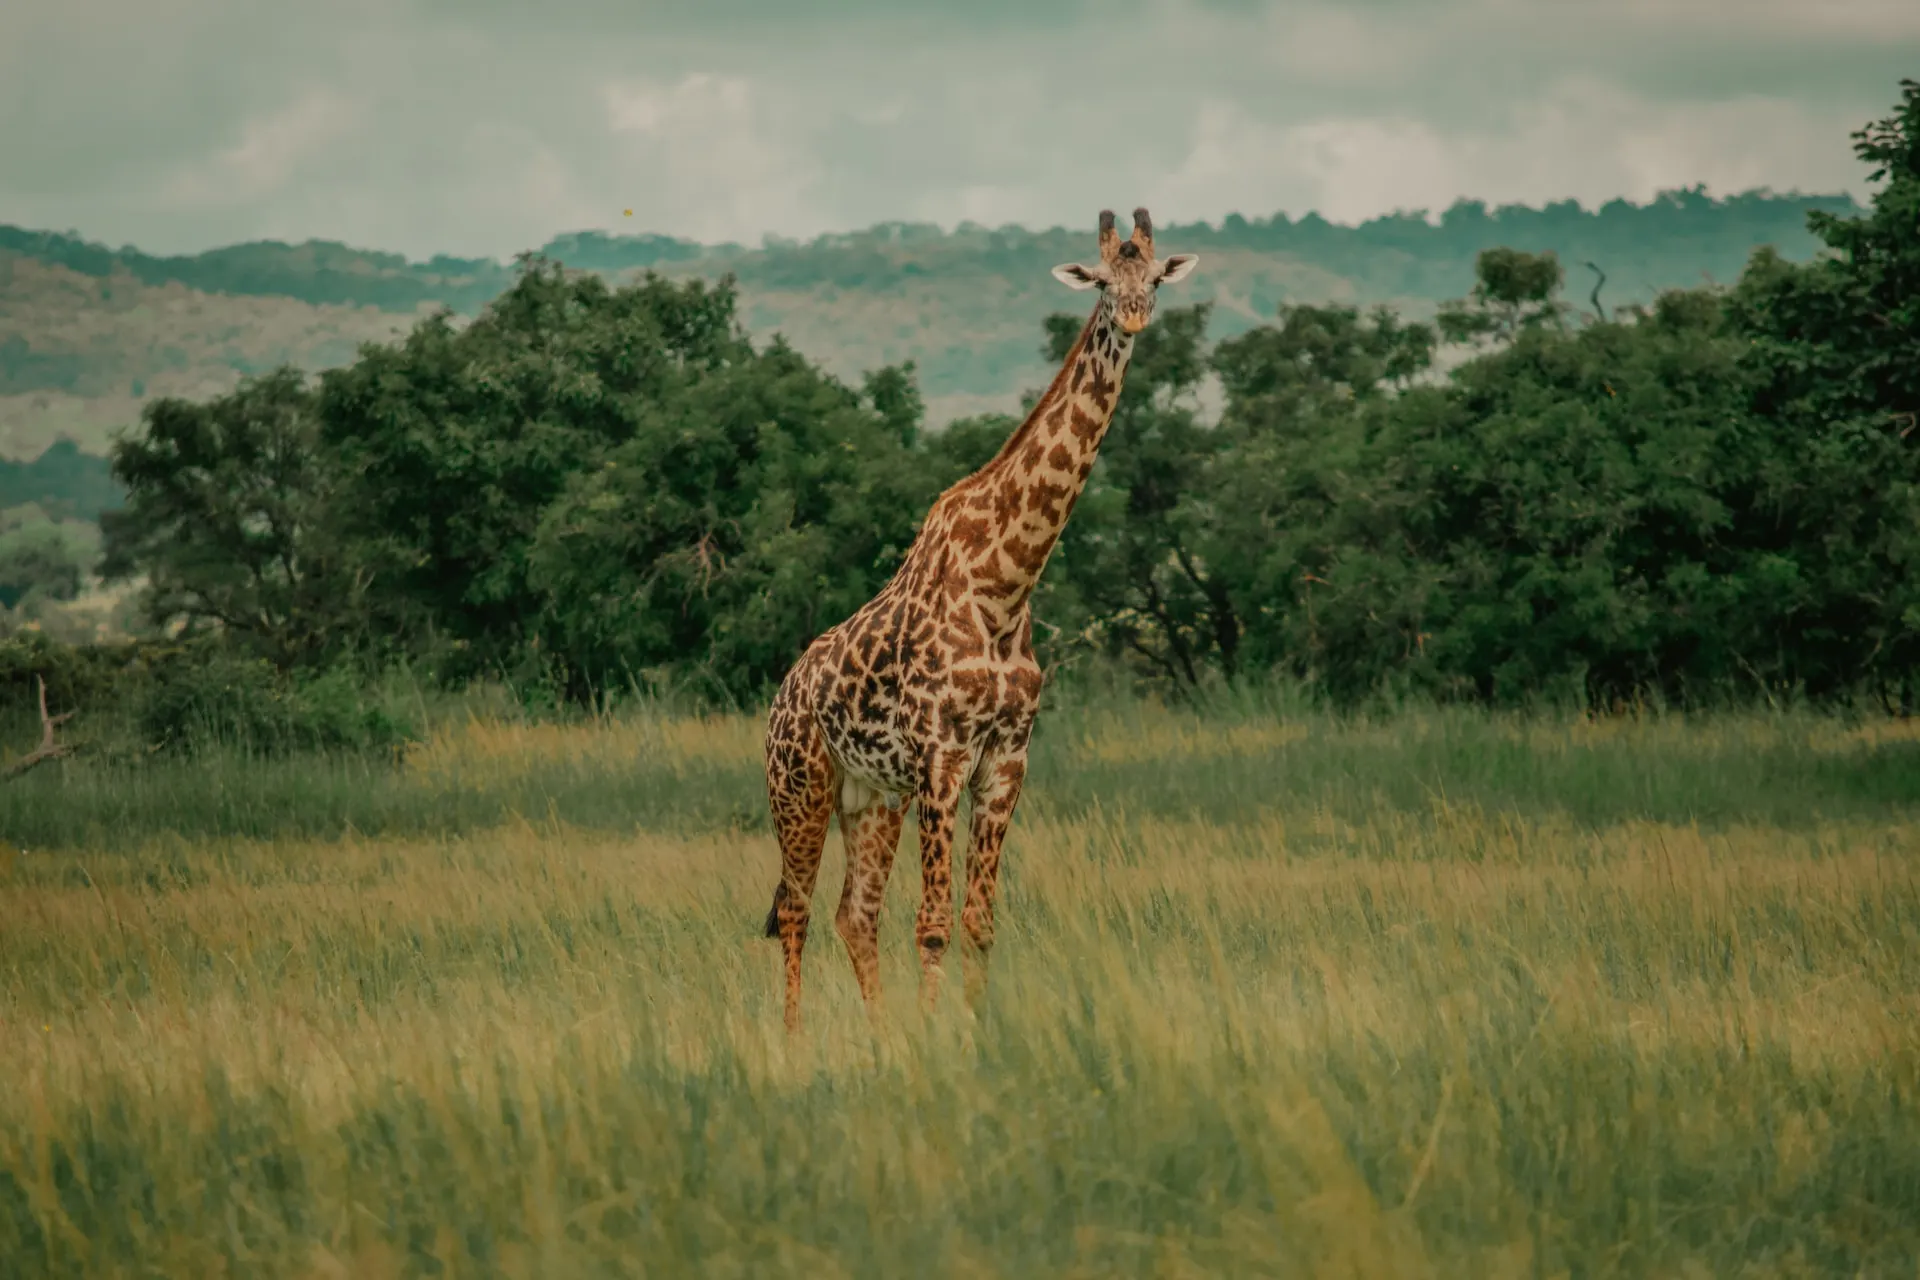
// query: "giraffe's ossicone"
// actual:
[[930, 689]]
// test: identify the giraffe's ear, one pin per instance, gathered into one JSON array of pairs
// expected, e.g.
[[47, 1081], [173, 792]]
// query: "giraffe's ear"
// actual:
[[1177, 266], [1075, 276]]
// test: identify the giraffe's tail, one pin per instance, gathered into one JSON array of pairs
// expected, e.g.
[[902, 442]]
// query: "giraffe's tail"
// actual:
[[773, 912]]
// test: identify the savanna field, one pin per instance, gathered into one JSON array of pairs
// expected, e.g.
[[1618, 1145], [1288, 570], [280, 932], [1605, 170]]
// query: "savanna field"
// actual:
[[1276, 993]]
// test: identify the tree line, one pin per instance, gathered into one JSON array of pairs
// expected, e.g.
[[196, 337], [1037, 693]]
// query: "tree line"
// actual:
[[1673, 237], [598, 487]]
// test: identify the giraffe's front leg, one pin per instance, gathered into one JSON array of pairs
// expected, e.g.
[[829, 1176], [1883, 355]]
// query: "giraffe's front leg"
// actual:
[[939, 804], [996, 790]]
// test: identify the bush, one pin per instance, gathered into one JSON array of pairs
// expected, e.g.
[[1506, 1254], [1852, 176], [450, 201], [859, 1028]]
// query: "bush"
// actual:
[[203, 699], [84, 677], [39, 558]]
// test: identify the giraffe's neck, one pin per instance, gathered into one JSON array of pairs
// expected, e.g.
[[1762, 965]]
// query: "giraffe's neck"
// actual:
[[1025, 494]]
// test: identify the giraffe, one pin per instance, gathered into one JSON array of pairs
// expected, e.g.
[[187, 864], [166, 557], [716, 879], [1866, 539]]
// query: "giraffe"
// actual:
[[930, 689]]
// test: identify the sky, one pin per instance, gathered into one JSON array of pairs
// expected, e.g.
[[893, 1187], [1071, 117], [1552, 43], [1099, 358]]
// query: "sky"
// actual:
[[484, 127]]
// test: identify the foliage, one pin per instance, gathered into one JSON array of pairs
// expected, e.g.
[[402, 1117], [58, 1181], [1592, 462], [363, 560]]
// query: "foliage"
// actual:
[[77, 676], [765, 505], [40, 559], [593, 488], [1513, 292], [602, 482], [1126, 577], [1560, 516], [230, 519], [214, 698], [1294, 392], [455, 442], [1834, 348]]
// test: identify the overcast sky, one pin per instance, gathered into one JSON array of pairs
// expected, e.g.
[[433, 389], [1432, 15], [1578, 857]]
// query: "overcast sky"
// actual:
[[487, 126]]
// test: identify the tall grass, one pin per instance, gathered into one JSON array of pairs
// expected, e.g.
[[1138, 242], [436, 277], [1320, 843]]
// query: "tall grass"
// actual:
[[658, 770], [1276, 994]]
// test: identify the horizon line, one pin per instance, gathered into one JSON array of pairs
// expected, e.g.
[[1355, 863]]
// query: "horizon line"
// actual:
[[770, 241]]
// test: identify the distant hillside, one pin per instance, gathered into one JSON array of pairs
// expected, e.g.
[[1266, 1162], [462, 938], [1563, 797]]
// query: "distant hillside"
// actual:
[[79, 353], [63, 482], [87, 332]]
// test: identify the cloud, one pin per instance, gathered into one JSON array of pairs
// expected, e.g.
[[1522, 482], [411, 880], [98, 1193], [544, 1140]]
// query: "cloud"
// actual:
[[1581, 139], [270, 150], [483, 126], [706, 149]]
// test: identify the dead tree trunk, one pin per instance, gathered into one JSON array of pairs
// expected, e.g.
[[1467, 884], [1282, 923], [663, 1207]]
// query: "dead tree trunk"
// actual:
[[50, 748]]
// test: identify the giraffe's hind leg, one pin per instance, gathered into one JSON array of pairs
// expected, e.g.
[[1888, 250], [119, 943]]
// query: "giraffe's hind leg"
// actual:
[[800, 792], [938, 800], [871, 834], [996, 792]]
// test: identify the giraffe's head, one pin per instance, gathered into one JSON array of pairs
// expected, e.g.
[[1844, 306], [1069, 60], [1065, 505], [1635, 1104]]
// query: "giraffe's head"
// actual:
[[1127, 270]]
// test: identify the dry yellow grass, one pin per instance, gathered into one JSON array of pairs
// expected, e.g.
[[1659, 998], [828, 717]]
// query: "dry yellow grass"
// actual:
[[1448, 1040]]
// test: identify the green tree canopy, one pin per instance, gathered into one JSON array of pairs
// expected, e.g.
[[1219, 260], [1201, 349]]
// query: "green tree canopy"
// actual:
[[453, 443], [39, 558], [741, 519], [1718, 492], [231, 519]]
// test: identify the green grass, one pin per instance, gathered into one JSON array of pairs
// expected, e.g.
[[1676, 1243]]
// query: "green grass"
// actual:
[[1276, 994], [1788, 769]]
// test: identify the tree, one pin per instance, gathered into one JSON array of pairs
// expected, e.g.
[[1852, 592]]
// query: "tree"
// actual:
[[1298, 484], [39, 559], [1513, 292], [1835, 347], [740, 520], [1558, 514], [229, 518], [456, 442], [895, 395], [607, 484], [1127, 577], [1316, 358], [965, 445]]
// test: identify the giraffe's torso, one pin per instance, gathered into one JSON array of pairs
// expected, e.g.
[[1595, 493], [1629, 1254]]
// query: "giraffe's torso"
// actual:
[[919, 670]]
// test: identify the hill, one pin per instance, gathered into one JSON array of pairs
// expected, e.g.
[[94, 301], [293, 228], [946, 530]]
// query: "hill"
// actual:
[[88, 332], [80, 352]]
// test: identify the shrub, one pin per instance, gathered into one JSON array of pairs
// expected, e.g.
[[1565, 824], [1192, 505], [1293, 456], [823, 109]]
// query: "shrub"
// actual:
[[206, 698]]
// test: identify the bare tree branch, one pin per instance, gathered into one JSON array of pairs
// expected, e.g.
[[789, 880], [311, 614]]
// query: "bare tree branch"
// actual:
[[50, 747]]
